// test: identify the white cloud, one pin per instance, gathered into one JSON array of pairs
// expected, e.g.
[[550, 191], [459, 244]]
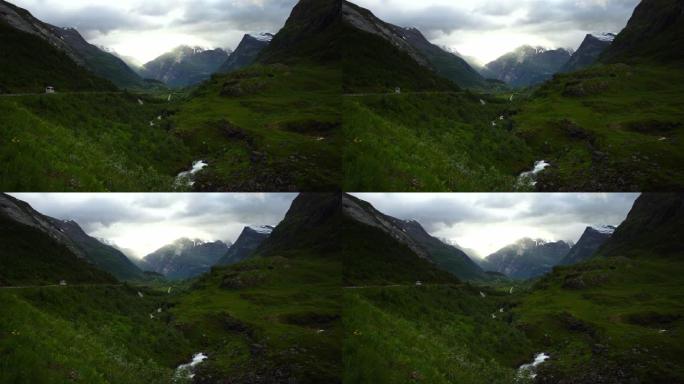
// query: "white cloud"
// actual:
[[487, 29], [486, 222], [145, 29], [145, 222]]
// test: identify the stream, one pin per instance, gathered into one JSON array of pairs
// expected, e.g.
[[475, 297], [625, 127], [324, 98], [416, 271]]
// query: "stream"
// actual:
[[186, 177], [528, 178], [185, 371], [528, 370]]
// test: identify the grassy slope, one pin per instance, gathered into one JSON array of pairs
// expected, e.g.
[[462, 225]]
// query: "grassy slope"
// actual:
[[86, 143], [603, 129], [437, 142], [87, 334], [271, 317], [371, 257], [602, 320], [371, 64], [29, 257], [429, 334], [274, 128], [34, 64]]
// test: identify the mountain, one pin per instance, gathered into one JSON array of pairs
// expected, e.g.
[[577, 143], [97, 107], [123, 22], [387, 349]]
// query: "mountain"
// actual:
[[590, 241], [249, 240], [384, 249], [311, 34], [446, 64], [186, 258], [655, 32], [377, 56], [246, 52], [527, 258], [35, 252], [589, 51], [527, 65], [655, 225], [34, 57], [101, 255], [98, 61], [278, 314], [185, 65], [70, 42], [311, 223]]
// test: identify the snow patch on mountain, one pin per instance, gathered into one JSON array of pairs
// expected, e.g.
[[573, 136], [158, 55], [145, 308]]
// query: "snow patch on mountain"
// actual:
[[606, 229], [608, 37], [264, 229], [266, 37]]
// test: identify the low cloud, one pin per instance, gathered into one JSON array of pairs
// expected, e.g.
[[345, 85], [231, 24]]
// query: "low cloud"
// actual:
[[487, 222], [145, 222]]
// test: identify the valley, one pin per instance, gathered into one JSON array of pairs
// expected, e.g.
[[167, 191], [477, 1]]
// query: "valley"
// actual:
[[341, 292]]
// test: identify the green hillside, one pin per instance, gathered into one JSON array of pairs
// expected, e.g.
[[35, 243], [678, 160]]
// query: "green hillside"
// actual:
[[608, 128], [655, 33], [29, 64], [100, 142], [273, 127], [371, 64], [612, 319], [431, 142], [30, 257], [93, 334]]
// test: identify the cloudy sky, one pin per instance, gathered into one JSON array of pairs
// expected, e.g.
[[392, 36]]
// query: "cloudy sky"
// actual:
[[483, 29], [143, 223], [486, 29], [144, 29], [487, 222]]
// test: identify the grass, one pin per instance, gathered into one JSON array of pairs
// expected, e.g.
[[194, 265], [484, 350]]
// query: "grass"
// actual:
[[613, 318], [94, 142], [429, 334], [608, 320], [269, 317], [430, 141], [269, 127], [608, 128], [87, 334]]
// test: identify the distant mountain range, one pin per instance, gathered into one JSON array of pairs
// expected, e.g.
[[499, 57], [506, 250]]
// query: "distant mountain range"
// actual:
[[185, 65], [527, 65], [185, 258], [526, 258]]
